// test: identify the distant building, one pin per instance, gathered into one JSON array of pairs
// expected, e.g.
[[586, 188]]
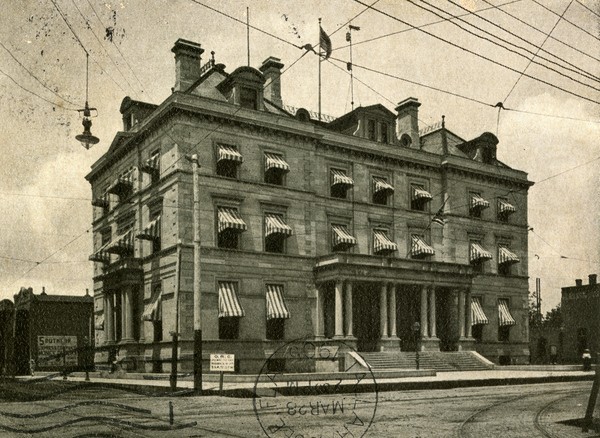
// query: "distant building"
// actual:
[[326, 229], [7, 312], [46, 325], [580, 307]]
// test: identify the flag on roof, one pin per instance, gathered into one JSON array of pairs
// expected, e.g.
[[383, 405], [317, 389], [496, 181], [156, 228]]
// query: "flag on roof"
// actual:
[[325, 43]]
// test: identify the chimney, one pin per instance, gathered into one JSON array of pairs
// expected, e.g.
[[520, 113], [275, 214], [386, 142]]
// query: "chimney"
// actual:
[[593, 278], [187, 63], [407, 123], [271, 68], [578, 282], [43, 290]]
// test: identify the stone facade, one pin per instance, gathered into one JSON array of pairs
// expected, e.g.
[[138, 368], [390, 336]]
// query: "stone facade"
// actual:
[[330, 223]]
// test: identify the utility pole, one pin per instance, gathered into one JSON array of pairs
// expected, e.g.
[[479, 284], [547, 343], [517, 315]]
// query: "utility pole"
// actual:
[[197, 292]]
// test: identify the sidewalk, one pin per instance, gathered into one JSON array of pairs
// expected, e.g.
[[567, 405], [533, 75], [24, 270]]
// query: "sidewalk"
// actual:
[[341, 382]]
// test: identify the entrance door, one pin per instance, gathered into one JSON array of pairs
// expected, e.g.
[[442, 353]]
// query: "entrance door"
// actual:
[[365, 315]]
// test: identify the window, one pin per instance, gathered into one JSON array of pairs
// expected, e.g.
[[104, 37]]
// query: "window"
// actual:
[[478, 255], [477, 204], [276, 233], [382, 245], [505, 320], [275, 169], [405, 140], [371, 130], [340, 183], [477, 332], [229, 226], [277, 312], [419, 197], [419, 248], [381, 190], [506, 258], [504, 333], [341, 239], [248, 98], [384, 132], [478, 318], [230, 310], [504, 210], [228, 161]]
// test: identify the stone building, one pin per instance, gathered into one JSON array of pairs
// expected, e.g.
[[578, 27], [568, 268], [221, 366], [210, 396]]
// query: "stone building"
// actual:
[[352, 229], [580, 307], [46, 325]]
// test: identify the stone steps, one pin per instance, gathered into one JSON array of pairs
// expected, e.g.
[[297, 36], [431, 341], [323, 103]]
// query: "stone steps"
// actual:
[[438, 361]]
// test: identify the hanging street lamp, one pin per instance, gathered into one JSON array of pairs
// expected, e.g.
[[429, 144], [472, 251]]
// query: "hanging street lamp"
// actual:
[[86, 138]]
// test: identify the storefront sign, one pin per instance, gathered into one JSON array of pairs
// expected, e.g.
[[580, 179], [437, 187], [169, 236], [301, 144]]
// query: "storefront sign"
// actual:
[[50, 349]]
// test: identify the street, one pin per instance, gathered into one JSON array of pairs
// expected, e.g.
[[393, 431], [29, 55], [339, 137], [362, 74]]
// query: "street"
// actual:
[[507, 411]]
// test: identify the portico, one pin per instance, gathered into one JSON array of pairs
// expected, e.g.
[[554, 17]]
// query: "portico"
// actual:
[[373, 302]]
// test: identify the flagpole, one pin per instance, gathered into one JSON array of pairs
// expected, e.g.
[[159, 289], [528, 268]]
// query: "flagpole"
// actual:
[[351, 68], [320, 69], [248, 33]]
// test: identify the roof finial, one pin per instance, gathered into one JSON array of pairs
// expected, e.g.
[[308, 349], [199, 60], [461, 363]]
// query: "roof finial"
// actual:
[[443, 121]]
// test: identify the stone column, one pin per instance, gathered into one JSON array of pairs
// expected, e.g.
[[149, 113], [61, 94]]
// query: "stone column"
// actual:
[[129, 313], [123, 315], [109, 323], [383, 312], [320, 332], [469, 314], [392, 312], [424, 326], [339, 320], [461, 313], [349, 321], [432, 322]]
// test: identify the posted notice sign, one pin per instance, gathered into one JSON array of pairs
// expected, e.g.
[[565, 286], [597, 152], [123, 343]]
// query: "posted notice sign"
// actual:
[[51, 346], [222, 362]]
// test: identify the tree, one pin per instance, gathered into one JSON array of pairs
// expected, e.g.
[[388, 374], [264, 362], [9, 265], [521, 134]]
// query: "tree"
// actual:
[[553, 318]]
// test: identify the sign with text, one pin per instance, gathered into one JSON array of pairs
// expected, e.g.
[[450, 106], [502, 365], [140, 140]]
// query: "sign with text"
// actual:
[[222, 362], [50, 350]]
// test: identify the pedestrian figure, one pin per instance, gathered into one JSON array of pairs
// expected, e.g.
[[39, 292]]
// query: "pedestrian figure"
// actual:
[[587, 360], [553, 354], [32, 366]]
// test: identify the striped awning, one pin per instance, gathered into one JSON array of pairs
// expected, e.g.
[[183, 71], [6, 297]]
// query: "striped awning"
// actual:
[[229, 303], [122, 244], [505, 207], [152, 309], [276, 307], [150, 231], [477, 313], [152, 164], [123, 183], [380, 185], [101, 255], [477, 253], [342, 237], [274, 224], [504, 316], [339, 177], [99, 322], [506, 256], [381, 242], [478, 202], [420, 194], [230, 219], [229, 153], [420, 248], [275, 161]]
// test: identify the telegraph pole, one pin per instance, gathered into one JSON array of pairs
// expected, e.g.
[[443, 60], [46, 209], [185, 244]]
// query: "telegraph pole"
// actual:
[[197, 293]]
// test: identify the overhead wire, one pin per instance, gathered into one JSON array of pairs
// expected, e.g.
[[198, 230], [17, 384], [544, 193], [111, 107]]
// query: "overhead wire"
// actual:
[[527, 66], [82, 46], [91, 29], [514, 17], [590, 10], [566, 20], [42, 83], [423, 25], [458, 46], [116, 46], [576, 69], [531, 60]]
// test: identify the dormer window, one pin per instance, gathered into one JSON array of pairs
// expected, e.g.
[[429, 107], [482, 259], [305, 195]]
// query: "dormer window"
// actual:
[[371, 130], [248, 98]]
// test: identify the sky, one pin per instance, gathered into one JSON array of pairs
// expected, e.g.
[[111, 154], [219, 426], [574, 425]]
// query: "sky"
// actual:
[[549, 128]]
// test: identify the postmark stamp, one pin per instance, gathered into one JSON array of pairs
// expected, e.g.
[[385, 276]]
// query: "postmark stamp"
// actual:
[[324, 381]]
